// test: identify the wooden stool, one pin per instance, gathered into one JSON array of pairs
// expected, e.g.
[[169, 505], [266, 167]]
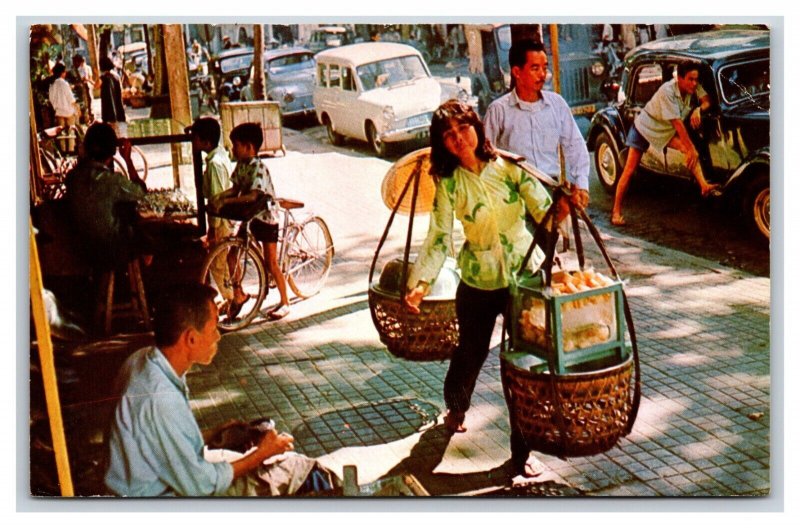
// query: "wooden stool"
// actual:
[[136, 306]]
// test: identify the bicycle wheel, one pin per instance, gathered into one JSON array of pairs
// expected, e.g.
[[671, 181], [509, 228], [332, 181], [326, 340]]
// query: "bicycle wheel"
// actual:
[[247, 272], [51, 185], [308, 257]]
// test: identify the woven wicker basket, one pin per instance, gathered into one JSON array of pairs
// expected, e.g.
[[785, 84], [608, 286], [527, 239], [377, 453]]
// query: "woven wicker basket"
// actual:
[[431, 335], [596, 408]]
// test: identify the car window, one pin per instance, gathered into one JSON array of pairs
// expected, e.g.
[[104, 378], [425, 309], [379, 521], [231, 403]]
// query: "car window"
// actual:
[[390, 72], [646, 83], [744, 81], [240, 62], [348, 82], [296, 62], [333, 76]]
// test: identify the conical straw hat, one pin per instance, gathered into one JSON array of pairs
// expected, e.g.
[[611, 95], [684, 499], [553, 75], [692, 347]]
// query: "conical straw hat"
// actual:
[[398, 175]]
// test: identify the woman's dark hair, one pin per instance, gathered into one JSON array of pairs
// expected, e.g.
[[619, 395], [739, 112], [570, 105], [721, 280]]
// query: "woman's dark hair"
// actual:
[[443, 163], [179, 308], [100, 142], [249, 133]]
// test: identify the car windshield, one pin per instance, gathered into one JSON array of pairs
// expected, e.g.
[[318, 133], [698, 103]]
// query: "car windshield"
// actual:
[[290, 63], [390, 72], [744, 80], [239, 62]]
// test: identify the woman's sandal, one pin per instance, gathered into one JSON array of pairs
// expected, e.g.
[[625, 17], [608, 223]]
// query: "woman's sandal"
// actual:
[[533, 467], [711, 191], [454, 421]]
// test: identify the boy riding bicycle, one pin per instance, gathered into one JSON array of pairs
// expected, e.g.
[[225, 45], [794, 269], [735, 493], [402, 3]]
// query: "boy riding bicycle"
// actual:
[[251, 179]]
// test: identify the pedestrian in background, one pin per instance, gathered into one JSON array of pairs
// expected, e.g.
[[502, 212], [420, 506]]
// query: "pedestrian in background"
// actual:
[[111, 109], [82, 79], [64, 104]]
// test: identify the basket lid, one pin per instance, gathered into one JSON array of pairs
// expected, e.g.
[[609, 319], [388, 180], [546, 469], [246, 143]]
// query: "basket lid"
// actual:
[[399, 174]]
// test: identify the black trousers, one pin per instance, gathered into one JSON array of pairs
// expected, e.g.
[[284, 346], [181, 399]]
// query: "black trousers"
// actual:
[[477, 311]]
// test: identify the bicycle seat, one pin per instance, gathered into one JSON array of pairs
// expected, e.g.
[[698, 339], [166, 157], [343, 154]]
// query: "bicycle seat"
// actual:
[[288, 203], [243, 212]]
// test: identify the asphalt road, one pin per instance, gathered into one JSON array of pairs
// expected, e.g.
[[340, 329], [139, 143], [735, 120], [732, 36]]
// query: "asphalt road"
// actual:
[[660, 210]]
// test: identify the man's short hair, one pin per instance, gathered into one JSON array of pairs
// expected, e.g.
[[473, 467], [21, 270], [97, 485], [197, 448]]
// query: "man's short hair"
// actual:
[[106, 64], [518, 54], [685, 67], [248, 133], [179, 308], [207, 129], [58, 69], [100, 142], [78, 59]]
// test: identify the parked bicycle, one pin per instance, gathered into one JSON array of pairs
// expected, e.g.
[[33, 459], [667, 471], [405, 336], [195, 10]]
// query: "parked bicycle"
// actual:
[[59, 148], [305, 254], [57, 159]]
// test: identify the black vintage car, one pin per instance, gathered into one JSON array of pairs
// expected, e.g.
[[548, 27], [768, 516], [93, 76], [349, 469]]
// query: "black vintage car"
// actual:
[[734, 140], [231, 72]]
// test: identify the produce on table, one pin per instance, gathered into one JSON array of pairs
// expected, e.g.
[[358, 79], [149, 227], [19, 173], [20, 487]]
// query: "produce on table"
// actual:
[[160, 202]]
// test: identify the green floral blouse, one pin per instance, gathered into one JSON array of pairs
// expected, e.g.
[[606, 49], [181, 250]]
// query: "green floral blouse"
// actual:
[[491, 207]]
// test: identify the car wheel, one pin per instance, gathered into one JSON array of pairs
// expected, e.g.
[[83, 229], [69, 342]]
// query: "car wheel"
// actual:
[[378, 146], [756, 205], [334, 137], [607, 162]]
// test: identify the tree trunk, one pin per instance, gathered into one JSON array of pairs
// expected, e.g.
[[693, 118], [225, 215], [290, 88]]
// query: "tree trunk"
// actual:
[[94, 59], [258, 63]]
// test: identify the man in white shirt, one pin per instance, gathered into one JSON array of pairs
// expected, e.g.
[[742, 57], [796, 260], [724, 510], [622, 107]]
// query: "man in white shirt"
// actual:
[[64, 104], [533, 122]]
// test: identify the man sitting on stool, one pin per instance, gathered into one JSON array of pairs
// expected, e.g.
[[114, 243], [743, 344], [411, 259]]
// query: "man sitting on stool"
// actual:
[[155, 445]]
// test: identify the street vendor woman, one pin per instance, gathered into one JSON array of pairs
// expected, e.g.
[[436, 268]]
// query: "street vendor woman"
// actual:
[[490, 196], [155, 445]]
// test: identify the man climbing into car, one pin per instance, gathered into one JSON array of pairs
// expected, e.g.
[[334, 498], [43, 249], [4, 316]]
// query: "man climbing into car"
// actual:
[[661, 124]]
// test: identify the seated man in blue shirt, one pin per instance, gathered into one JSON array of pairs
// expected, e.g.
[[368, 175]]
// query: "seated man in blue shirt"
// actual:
[[155, 445]]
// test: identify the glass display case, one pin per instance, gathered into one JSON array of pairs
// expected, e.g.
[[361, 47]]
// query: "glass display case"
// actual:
[[578, 319]]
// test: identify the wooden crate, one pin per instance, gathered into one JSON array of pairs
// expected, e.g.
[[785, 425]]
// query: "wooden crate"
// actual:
[[266, 113]]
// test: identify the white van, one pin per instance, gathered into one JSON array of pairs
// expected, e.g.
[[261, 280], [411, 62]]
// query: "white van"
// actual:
[[379, 92]]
